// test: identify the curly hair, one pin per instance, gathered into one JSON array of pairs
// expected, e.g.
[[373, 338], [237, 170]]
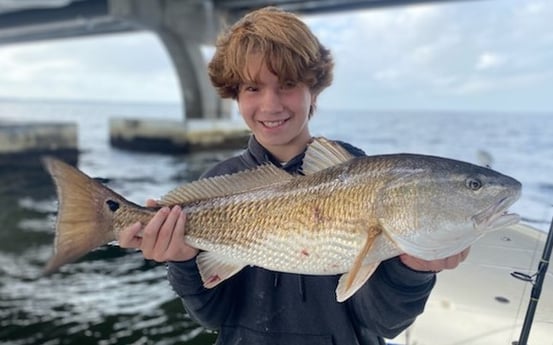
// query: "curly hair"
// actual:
[[287, 46]]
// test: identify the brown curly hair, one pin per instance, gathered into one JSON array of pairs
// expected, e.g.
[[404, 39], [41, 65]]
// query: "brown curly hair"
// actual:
[[288, 47]]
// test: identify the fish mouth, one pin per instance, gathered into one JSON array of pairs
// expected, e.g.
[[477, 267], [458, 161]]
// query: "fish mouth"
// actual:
[[497, 216]]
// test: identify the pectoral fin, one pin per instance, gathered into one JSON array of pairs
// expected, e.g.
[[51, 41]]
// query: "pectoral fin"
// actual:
[[359, 273], [213, 269], [349, 284]]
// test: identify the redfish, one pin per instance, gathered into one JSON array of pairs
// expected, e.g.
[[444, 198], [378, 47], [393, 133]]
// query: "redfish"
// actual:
[[343, 215]]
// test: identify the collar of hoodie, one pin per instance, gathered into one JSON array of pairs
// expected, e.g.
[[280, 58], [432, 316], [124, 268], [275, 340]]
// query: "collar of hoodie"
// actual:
[[256, 155]]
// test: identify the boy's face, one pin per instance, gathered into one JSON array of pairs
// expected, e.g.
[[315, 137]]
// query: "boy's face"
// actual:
[[276, 113]]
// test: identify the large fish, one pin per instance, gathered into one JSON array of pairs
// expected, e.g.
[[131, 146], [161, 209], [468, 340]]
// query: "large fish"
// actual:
[[344, 216]]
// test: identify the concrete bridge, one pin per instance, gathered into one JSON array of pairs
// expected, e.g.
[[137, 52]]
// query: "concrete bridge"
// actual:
[[183, 26]]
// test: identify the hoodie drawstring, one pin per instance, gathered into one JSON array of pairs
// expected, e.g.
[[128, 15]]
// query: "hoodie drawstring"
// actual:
[[301, 284]]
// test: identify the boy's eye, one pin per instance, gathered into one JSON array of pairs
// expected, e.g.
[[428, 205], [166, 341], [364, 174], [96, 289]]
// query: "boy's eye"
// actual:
[[289, 84], [249, 88]]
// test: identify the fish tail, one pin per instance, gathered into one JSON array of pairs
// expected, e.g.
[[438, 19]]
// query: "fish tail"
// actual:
[[85, 214]]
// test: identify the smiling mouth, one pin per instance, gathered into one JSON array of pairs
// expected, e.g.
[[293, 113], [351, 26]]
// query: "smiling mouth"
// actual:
[[273, 124]]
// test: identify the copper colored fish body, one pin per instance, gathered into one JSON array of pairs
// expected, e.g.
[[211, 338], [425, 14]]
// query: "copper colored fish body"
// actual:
[[344, 216]]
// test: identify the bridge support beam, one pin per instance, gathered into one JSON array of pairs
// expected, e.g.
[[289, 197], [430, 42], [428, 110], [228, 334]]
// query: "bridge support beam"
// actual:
[[183, 26]]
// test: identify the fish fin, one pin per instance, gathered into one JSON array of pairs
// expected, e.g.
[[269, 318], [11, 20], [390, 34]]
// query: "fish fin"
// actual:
[[323, 153], [213, 269], [358, 270], [348, 285], [224, 185], [84, 221]]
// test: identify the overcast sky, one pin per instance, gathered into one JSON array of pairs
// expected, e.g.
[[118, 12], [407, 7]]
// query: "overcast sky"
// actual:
[[469, 55]]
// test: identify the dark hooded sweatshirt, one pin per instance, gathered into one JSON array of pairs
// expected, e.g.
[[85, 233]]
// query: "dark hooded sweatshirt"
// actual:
[[257, 306]]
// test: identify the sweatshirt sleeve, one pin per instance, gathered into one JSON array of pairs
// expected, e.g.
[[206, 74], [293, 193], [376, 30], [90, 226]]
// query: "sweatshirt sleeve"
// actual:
[[203, 305], [391, 300]]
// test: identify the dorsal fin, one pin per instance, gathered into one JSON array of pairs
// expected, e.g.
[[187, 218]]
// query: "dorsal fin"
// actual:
[[223, 185], [323, 153]]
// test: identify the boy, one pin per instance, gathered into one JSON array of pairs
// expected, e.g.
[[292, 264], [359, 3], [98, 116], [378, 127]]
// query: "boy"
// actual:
[[275, 68]]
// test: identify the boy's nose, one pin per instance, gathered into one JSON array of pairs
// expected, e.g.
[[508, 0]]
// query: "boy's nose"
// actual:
[[271, 102]]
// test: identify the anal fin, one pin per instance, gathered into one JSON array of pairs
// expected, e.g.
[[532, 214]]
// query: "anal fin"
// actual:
[[213, 269]]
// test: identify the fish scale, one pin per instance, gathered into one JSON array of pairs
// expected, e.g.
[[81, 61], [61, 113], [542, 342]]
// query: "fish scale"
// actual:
[[290, 224], [295, 219]]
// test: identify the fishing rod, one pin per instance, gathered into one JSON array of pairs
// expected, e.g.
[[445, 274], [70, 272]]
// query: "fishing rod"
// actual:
[[536, 289]]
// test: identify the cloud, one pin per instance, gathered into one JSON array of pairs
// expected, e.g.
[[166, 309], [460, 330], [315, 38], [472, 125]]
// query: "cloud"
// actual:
[[389, 75], [419, 56], [480, 83], [116, 67], [451, 51], [489, 60]]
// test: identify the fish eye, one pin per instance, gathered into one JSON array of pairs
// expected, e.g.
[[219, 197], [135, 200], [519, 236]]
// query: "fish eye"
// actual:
[[113, 205], [473, 183]]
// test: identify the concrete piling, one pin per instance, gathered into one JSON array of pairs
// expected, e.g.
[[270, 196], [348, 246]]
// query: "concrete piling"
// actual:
[[22, 145], [177, 137]]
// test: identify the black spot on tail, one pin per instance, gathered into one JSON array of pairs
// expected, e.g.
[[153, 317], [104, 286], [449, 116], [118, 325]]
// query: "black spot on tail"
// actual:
[[113, 205]]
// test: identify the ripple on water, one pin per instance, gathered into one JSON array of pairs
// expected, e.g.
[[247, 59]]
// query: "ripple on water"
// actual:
[[123, 299]]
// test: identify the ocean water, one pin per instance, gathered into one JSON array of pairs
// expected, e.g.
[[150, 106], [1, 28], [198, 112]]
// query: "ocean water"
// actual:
[[114, 296]]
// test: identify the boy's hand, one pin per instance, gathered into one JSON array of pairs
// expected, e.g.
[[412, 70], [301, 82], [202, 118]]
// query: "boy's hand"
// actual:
[[434, 265], [162, 238]]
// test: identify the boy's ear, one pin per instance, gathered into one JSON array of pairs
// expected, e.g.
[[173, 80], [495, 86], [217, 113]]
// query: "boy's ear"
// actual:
[[313, 105]]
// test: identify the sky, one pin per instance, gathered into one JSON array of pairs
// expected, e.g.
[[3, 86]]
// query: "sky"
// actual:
[[490, 55]]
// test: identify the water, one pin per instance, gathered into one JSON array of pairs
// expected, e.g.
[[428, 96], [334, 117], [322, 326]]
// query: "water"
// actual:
[[115, 296]]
